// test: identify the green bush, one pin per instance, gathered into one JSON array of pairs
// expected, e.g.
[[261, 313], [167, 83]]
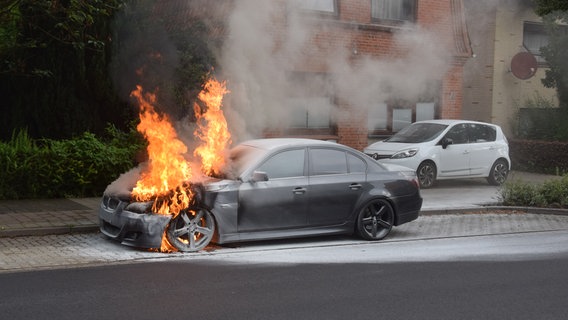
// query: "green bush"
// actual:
[[549, 157], [550, 194], [77, 167]]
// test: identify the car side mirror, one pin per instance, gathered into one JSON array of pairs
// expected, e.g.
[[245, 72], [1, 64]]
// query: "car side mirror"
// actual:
[[259, 176], [446, 142]]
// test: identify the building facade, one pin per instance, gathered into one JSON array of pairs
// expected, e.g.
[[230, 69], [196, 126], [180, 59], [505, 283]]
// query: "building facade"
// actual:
[[495, 88], [403, 61], [351, 71]]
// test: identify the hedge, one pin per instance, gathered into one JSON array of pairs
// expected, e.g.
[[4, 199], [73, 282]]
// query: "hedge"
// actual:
[[78, 167], [549, 157]]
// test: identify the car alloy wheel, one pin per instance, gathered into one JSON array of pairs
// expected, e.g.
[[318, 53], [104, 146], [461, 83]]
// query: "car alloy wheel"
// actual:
[[375, 220], [426, 174], [499, 173], [191, 230]]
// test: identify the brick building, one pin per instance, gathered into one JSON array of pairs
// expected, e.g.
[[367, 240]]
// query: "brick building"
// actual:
[[351, 71]]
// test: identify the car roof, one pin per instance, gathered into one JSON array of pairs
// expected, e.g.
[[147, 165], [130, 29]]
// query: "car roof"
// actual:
[[453, 121], [275, 143]]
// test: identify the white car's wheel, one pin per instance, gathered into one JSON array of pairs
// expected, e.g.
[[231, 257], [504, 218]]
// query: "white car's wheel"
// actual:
[[499, 172], [426, 174]]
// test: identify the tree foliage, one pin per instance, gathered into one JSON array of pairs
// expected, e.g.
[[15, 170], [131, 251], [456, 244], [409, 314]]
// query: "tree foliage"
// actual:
[[53, 67], [555, 17], [545, 7], [68, 66]]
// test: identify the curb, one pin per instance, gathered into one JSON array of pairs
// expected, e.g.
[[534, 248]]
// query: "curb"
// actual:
[[492, 208]]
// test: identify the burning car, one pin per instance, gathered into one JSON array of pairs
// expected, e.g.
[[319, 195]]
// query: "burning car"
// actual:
[[272, 189]]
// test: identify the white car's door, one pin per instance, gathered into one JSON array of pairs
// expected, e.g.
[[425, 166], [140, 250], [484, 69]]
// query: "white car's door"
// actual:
[[454, 159], [484, 150]]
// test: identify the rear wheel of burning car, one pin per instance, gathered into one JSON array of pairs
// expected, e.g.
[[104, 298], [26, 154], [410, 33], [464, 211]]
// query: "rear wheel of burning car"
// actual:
[[191, 230], [375, 219]]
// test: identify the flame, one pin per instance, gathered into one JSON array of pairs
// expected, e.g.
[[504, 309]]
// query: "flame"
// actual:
[[212, 128], [168, 169], [167, 179]]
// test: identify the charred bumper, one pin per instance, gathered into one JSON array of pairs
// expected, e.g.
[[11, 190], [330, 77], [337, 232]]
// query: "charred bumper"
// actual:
[[132, 223]]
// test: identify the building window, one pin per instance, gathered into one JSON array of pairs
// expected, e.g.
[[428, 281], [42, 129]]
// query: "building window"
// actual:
[[534, 38], [393, 10], [425, 111], [377, 117], [401, 118], [310, 112], [385, 119], [325, 6]]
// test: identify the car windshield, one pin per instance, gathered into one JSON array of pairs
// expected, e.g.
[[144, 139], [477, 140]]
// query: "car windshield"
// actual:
[[418, 132], [241, 158]]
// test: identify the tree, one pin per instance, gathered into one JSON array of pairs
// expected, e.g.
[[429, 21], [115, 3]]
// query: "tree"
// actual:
[[544, 7], [555, 17], [53, 67], [68, 66]]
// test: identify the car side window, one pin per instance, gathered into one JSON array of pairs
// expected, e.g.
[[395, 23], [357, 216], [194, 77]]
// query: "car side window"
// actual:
[[482, 133], [458, 134], [285, 164], [328, 161], [356, 164]]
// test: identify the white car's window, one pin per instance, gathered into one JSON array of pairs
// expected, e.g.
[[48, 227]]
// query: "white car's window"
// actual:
[[285, 164], [458, 134], [482, 133], [328, 161]]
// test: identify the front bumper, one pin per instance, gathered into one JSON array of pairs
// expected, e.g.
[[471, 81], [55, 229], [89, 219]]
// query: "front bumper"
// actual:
[[119, 221]]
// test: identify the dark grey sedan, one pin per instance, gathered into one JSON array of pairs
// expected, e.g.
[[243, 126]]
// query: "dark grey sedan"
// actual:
[[274, 189]]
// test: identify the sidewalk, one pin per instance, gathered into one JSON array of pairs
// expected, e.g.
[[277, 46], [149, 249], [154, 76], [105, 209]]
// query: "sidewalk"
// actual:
[[48, 216], [61, 216]]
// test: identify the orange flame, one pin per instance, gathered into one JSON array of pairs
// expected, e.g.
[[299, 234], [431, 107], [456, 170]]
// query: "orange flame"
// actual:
[[167, 168], [212, 128], [168, 176]]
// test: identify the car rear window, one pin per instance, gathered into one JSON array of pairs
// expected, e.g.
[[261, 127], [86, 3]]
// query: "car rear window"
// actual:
[[482, 133]]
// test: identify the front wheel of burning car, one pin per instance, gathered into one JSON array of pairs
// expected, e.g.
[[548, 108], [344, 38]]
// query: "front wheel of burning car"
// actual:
[[191, 230]]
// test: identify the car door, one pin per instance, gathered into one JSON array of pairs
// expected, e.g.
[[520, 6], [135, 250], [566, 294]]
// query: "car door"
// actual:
[[454, 159], [483, 151], [281, 202], [337, 178]]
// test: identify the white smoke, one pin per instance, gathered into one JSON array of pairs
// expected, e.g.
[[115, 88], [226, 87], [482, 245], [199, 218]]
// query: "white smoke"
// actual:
[[260, 63]]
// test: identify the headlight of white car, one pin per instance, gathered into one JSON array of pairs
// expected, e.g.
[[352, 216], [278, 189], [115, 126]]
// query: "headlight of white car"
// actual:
[[405, 154]]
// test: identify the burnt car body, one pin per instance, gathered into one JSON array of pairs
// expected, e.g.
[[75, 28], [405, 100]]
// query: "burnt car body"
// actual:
[[273, 189]]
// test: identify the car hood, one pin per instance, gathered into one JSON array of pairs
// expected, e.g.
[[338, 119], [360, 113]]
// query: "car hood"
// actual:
[[382, 147], [215, 184]]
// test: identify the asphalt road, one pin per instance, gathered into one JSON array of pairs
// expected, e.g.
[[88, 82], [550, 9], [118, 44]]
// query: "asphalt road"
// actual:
[[513, 276]]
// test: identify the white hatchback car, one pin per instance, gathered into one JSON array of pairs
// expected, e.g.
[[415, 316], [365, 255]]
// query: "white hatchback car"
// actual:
[[447, 149]]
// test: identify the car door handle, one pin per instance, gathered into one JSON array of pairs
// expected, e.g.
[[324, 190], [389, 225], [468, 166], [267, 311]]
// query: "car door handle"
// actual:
[[355, 186], [299, 190], [466, 152]]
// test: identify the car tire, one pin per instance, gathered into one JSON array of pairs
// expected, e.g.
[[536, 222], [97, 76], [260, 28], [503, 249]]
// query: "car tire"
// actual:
[[499, 172], [426, 174], [191, 230], [375, 219]]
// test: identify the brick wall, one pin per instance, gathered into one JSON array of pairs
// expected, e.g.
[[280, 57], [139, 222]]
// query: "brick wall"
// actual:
[[353, 27]]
